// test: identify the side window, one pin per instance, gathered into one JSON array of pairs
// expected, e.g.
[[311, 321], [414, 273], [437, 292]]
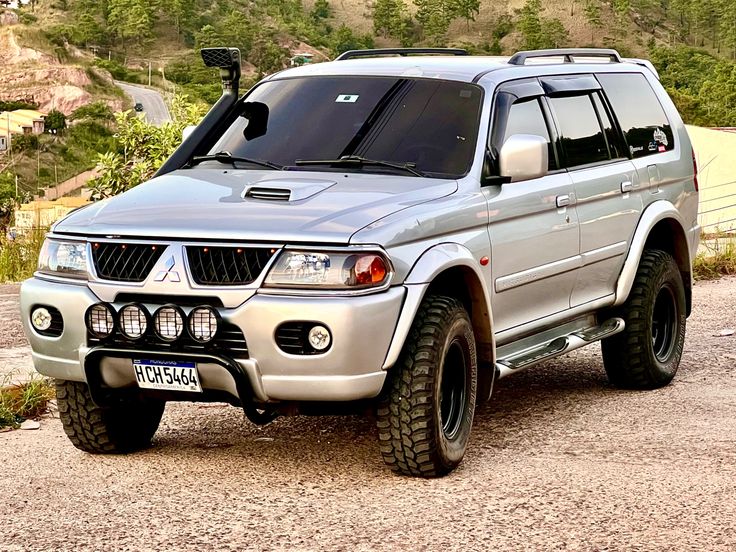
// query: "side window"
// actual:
[[642, 119], [612, 136], [581, 135], [526, 117]]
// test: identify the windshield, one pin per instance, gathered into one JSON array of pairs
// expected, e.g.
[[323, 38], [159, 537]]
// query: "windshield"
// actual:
[[430, 123]]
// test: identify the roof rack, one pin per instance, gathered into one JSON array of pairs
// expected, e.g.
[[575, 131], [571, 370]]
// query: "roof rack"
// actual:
[[352, 54], [519, 58]]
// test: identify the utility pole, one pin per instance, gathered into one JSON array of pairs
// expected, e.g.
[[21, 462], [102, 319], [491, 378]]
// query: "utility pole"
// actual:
[[10, 140]]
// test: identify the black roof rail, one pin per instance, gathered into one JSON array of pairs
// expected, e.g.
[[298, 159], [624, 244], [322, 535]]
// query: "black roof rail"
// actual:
[[352, 54], [519, 58]]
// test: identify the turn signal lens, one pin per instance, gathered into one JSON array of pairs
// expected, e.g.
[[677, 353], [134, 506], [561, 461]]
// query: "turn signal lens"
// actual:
[[369, 270]]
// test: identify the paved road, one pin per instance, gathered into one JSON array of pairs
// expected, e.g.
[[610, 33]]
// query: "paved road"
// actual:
[[558, 461], [154, 107]]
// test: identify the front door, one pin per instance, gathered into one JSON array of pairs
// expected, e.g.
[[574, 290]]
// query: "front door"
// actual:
[[534, 232]]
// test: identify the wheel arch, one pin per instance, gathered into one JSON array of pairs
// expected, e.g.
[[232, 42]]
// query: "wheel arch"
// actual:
[[660, 227], [450, 270]]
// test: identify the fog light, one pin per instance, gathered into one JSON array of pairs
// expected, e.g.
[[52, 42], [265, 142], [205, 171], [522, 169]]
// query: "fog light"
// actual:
[[41, 319], [319, 338], [168, 323], [100, 321], [133, 321], [203, 322]]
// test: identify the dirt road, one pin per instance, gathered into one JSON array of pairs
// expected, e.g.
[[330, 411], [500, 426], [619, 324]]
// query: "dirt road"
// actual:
[[559, 460]]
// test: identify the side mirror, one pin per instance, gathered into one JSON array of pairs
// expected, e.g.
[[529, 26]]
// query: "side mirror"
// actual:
[[524, 157], [187, 132]]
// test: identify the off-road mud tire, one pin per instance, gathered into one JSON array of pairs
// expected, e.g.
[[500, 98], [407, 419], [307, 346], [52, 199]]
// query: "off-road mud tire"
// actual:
[[634, 359], [116, 430], [413, 439]]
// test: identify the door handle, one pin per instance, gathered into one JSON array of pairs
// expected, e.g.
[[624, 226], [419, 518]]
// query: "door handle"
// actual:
[[627, 186], [563, 200]]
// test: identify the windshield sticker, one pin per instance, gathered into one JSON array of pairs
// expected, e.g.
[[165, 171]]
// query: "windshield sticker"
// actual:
[[660, 137], [347, 98], [635, 149], [466, 93]]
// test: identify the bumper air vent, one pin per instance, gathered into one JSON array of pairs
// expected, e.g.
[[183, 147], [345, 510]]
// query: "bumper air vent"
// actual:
[[228, 341], [125, 262], [270, 194], [293, 338], [227, 266]]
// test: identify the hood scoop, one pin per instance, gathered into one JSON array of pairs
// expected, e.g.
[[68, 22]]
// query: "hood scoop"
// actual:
[[270, 194], [286, 189]]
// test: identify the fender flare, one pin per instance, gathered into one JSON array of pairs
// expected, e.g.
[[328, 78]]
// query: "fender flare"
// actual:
[[430, 264], [655, 213]]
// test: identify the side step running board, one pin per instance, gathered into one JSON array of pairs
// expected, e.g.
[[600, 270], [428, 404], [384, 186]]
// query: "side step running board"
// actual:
[[558, 346]]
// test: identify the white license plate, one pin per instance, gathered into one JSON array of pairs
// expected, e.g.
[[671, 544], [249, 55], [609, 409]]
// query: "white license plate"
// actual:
[[167, 375]]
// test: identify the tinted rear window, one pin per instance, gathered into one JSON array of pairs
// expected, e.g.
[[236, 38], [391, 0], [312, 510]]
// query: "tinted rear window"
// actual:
[[645, 125], [432, 123]]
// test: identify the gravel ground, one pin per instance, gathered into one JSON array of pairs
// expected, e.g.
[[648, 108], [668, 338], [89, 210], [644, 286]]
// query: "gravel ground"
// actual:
[[558, 461]]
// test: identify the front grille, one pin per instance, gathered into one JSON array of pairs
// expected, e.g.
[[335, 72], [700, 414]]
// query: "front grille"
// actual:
[[212, 266], [229, 341], [125, 262]]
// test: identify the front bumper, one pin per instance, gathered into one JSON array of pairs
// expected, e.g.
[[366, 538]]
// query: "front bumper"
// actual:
[[362, 329]]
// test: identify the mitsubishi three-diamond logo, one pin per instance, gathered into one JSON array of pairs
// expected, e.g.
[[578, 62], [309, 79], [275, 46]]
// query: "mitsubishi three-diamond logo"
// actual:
[[169, 273]]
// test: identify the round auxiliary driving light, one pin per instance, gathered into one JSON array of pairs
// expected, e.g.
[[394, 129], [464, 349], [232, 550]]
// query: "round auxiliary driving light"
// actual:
[[203, 323], [168, 323], [41, 319], [100, 320], [133, 321], [319, 338]]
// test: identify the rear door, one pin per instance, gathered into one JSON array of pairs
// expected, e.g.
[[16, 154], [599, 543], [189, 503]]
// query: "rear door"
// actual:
[[606, 185]]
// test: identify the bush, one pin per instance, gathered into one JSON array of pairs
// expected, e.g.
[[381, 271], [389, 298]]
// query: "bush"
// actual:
[[12, 105], [55, 121], [25, 142]]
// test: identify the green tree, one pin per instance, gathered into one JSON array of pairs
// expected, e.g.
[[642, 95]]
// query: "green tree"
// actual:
[[435, 17], [141, 148], [530, 25], [267, 55], [593, 15], [555, 33], [467, 9], [345, 39], [55, 121], [321, 10]]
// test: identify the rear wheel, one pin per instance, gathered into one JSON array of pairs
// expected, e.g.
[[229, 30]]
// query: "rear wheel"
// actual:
[[426, 413], [647, 353], [124, 428]]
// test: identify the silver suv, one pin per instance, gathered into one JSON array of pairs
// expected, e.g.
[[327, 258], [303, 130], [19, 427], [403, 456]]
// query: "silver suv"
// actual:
[[394, 229]]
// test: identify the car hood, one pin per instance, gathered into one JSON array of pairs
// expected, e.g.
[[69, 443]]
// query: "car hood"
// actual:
[[207, 203]]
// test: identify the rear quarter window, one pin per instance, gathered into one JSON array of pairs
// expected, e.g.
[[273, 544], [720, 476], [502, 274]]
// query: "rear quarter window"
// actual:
[[640, 115]]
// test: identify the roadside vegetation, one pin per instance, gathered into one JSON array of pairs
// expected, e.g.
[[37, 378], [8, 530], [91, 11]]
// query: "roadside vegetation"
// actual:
[[718, 259], [24, 401], [19, 256]]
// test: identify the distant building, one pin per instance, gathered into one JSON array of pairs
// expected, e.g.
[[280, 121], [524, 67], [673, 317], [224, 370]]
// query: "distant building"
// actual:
[[20, 121], [42, 214]]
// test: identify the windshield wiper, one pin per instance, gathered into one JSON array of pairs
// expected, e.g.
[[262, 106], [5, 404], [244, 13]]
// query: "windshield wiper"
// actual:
[[228, 158], [360, 161]]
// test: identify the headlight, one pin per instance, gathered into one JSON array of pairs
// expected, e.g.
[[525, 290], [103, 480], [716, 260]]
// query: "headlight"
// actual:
[[63, 258], [329, 270]]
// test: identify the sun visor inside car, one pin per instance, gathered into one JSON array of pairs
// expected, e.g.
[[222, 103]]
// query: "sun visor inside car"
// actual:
[[555, 86]]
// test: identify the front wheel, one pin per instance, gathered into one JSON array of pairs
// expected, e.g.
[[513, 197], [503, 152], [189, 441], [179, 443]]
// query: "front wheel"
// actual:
[[426, 412], [123, 428], [647, 353]]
